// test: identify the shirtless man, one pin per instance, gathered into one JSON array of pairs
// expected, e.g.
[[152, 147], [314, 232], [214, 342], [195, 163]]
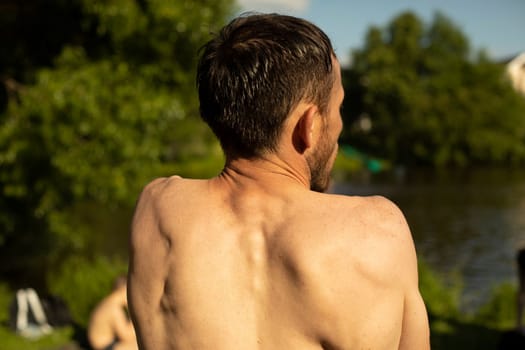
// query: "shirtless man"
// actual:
[[259, 257], [109, 326]]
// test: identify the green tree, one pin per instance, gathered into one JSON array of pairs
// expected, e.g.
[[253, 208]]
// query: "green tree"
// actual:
[[107, 115], [425, 99]]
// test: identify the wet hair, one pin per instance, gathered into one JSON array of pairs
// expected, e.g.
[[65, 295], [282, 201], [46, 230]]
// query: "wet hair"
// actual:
[[254, 72]]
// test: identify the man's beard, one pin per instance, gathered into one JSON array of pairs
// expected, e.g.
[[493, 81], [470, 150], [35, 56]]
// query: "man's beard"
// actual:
[[320, 168]]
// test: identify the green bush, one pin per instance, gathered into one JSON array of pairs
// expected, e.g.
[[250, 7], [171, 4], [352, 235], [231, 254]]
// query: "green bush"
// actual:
[[500, 311], [83, 283], [6, 295], [55, 340], [442, 301]]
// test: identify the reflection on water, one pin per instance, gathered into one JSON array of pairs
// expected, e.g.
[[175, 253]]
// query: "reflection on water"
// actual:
[[469, 223]]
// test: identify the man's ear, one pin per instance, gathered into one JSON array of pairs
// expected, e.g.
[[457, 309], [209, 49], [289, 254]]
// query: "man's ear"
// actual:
[[303, 133]]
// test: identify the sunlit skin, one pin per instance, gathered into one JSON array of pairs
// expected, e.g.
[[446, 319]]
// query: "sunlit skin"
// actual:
[[260, 258], [109, 323], [322, 159]]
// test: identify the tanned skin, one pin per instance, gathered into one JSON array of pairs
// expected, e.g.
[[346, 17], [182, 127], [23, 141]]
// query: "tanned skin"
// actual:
[[109, 323], [254, 259]]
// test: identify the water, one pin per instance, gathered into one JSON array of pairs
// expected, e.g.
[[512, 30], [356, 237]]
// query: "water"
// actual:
[[464, 223]]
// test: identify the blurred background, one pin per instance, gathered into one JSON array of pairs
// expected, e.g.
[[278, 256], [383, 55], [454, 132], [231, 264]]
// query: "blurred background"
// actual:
[[98, 98]]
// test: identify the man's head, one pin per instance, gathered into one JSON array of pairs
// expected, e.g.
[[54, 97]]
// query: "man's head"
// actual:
[[255, 72]]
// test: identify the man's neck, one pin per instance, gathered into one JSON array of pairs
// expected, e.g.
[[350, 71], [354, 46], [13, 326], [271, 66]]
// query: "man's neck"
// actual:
[[269, 170]]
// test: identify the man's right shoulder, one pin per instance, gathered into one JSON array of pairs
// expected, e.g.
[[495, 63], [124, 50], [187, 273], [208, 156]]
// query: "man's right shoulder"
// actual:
[[159, 186], [162, 190], [153, 200]]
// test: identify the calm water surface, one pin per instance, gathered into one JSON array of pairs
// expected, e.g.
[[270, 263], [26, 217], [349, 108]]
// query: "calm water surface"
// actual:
[[466, 223]]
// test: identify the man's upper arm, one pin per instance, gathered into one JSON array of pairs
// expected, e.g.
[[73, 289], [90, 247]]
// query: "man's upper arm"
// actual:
[[415, 332], [148, 252], [415, 329]]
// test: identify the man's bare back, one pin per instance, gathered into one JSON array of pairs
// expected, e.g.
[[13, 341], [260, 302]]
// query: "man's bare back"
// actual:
[[239, 265], [257, 257]]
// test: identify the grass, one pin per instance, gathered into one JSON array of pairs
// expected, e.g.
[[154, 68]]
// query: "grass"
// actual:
[[58, 339]]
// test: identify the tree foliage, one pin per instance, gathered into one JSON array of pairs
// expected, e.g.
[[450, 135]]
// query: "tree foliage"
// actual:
[[417, 95], [114, 107]]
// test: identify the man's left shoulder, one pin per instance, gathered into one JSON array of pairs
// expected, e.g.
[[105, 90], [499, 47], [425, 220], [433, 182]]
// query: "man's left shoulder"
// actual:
[[371, 211], [383, 231]]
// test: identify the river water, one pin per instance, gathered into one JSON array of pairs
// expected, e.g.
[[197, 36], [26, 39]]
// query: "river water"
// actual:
[[464, 223]]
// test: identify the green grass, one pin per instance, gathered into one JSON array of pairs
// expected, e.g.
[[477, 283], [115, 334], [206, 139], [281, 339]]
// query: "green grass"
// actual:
[[58, 339]]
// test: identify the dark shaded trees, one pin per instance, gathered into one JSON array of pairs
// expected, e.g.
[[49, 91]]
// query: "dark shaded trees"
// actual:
[[105, 103], [416, 95]]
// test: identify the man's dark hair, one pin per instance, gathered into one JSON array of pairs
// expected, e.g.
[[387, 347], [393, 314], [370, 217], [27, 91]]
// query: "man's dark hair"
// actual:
[[254, 72]]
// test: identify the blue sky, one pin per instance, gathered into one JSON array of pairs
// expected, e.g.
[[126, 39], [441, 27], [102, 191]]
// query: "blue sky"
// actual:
[[497, 26]]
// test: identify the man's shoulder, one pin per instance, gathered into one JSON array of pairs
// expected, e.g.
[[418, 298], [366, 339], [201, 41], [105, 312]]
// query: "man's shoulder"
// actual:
[[160, 186], [353, 246], [159, 196], [370, 232], [372, 221], [166, 190], [370, 211], [350, 214], [377, 202]]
